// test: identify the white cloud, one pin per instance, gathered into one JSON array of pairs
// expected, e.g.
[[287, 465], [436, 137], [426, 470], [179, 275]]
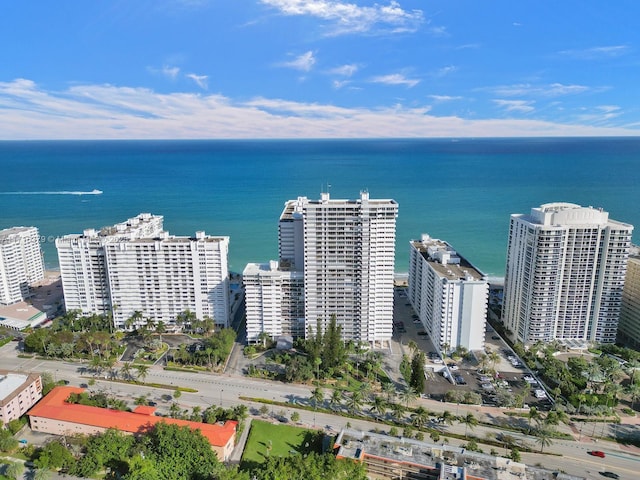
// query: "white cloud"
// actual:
[[166, 71], [444, 98], [595, 53], [441, 72], [520, 106], [550, 90], [109, 112], [352, 18], [304, 62], [201, 80], [395, 79], [345, 70]]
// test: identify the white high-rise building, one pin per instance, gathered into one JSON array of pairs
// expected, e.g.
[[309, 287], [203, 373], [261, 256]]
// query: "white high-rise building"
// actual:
[[346, 250], [566, 267], [274, 299], [21, 263], [135, 266], [448, 294]]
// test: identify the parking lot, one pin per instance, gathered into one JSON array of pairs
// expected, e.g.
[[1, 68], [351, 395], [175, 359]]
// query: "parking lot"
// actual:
[[512, 381]]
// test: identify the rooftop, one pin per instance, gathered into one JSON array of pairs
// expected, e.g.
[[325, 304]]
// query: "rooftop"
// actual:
[[9, 383], [425, 459], [54, 406], [445, 261]]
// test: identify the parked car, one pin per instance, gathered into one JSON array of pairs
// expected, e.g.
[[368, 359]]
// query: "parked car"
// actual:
[[597, 453], [610, 475]]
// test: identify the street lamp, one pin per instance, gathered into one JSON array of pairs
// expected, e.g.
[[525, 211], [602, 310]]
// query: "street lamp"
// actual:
[[221, 390]]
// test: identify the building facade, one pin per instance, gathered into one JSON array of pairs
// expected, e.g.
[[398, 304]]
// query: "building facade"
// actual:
[[629, 326], [18, 393], [566, 267], [55, 416], [135, 266], [448, 294], [274, 301], [344, 252], [347, 251], [21, 263]]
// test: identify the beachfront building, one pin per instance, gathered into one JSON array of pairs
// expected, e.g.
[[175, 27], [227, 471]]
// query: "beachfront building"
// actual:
[[346, 251], [566, 267], [135, 269], [448, 294], [18, 393], [629, 326], [274, 299], [55, 416], [21, 263]]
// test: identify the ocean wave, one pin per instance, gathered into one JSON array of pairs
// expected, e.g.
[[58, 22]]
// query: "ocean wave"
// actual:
[[60, 192]]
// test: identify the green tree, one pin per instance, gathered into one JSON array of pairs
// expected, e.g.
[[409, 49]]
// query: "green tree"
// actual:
[[142, 371], [470, 421], [543, 437], [416, 381], [354, 401], [317, 396], [420, 417], [180, 453], [54, 455], [14, 470], [378, 406], [295, 417]]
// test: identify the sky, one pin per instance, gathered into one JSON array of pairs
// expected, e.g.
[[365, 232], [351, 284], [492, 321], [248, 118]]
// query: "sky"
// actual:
[[209, 69]]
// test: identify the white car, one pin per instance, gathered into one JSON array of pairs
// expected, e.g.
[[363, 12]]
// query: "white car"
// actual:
[[453, 367]]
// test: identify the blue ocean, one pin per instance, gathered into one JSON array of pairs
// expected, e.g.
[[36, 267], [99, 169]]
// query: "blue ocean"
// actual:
[[461, 191]]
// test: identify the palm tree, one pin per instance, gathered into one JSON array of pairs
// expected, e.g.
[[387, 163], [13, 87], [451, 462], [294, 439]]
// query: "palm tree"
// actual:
[[398, 410], [125, 370], [389, 390], [336, 398], [633, 390], [408, 396], [419, 417], [160, 329], [446, 417], [354, 401], [543, 437], [378, 406], [143, 371], [317, 396], [133, 320], [533, 415], [470, 421]]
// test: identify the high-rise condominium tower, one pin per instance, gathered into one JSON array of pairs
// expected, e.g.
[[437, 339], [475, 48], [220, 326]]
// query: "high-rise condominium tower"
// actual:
[[21, 263], [346, 251], [135, 266], [565, 273], [629, 326], [448, 294]]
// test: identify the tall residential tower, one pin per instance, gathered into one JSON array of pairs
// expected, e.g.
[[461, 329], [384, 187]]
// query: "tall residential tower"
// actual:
[[448, 294], [344, 250], [565, 273], [135, 266], [21, 263]]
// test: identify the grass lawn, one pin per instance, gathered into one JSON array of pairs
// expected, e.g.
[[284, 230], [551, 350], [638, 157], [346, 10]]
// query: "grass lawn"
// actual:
[[283, 440]]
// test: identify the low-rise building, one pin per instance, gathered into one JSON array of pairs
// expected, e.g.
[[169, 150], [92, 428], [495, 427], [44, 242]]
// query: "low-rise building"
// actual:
[[391, 457], [18, 393], [54, 415]]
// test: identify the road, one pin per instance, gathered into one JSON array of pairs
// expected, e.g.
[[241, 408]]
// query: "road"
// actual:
[[226, 390]]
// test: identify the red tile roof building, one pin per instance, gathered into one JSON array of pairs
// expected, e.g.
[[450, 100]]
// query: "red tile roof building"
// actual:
[[54, 415]]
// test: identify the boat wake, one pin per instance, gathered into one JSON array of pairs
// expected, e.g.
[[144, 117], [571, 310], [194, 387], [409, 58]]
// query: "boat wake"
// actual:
[[61, 192]]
